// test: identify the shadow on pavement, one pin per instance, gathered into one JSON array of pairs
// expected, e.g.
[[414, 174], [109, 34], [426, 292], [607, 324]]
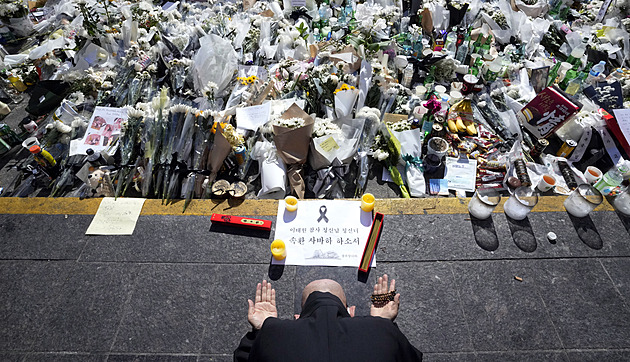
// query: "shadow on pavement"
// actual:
[[625, 220], [234, 230], [587, 232], [485, 233], [522, 234], [275, 270]]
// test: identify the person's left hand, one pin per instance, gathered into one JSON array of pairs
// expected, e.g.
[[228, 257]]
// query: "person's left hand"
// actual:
[[264, 307]]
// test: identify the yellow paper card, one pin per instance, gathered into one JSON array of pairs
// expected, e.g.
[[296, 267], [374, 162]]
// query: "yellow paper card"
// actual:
[[329, 144]]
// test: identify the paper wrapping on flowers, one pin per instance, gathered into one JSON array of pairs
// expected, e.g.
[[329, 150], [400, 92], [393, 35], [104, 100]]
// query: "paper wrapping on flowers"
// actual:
[[411, 150], [344, 102], [220, 149], [342, 146], [293, 146], [273, 172], [348, 56], [21, 26], [538, 9], [215, 61]]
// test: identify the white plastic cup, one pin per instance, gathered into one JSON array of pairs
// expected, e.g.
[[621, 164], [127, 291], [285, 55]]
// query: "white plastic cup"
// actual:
[[30, 142], [547, 182], [593, 175], [583, 200], [622, 202], [483, 203], [520, 203]]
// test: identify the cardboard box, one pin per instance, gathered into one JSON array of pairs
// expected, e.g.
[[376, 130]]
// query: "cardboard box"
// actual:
[[547, 112]]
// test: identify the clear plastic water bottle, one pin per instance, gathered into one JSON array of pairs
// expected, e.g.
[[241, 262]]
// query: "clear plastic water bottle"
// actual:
[[611, 179], [596, 71]]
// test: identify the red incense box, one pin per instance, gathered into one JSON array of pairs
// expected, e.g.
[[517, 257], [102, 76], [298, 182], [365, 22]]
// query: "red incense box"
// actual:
[[240, 221], [370, 246]]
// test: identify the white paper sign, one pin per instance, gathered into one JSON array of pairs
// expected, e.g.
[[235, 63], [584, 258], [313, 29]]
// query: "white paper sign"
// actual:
[[324, 232], [116, 217], [253, 117], [461, 173], [623, 120], [103, 130]]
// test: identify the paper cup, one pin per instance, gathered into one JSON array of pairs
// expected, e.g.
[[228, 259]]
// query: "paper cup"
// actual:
[[547, 182], [437, 146], [592, 174], [470, 81], [30, 127]]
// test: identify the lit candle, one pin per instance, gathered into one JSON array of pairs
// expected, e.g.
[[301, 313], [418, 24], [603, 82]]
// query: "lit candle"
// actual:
[[291, 203], [278, 250], [367, 202]]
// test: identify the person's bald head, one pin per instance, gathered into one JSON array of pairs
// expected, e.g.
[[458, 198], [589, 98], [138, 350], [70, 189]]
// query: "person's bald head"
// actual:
[[324, 285]]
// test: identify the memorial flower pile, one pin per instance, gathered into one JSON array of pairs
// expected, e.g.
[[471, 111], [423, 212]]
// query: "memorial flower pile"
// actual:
[[301, 99]]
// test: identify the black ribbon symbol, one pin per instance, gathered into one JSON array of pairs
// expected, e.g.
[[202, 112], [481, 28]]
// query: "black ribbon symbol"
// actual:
[[322, 213]]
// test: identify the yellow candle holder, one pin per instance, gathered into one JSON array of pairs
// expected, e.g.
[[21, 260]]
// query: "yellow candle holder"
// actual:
[[291, 203], [278, 250], [367, 202]]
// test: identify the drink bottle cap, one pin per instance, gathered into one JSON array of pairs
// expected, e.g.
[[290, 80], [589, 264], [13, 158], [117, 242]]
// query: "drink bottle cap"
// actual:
[[35, 149]]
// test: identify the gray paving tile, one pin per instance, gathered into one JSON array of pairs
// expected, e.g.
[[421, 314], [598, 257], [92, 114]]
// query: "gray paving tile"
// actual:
[[29, 288], [615, 239], [598, 356], [525, 356], [30, 236], [89, 310], [430, 313], [175, 307], [230, 301], [65, 357], [502, 313], [617, 269], [181, 239], [450, 357], [426, 237], [11, 357], [216, 358], [151, 358], [583, 304]]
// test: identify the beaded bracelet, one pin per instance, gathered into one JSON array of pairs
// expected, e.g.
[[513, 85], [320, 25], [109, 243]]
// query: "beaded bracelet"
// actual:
[[380, 300]]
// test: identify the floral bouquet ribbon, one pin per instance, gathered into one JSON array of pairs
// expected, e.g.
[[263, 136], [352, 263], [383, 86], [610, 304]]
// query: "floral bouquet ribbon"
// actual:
[[330, 181]]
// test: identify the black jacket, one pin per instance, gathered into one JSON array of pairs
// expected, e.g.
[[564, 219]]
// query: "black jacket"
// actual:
[[325, 332]]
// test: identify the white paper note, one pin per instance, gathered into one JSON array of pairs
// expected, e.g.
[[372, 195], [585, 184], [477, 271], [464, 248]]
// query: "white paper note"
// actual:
[[116, 217], [253, 117], [461, 173], [623, 120], [324, 232]]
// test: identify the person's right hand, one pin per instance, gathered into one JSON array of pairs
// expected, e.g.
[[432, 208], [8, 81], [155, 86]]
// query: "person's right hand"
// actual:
[[264, 307], [389, 310]]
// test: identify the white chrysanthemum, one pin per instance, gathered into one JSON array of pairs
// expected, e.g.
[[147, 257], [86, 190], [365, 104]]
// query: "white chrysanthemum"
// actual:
[[380, 155]]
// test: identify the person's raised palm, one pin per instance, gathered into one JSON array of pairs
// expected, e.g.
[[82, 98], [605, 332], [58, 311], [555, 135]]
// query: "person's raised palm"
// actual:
[[388, 310], [264, 307]]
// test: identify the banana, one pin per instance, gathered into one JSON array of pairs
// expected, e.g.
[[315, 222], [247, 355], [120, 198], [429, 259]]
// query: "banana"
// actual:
[[452, 126], [461, 127], [470, 128]]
